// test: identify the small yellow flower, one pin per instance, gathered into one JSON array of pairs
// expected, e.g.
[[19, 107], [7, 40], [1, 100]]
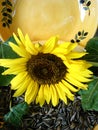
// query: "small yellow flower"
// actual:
[[48, 72]]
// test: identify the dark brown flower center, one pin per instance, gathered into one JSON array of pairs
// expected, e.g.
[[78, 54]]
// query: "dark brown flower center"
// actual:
[[46, 68]]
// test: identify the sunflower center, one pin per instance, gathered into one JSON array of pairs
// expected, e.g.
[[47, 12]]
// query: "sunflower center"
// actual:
[[46, 68]]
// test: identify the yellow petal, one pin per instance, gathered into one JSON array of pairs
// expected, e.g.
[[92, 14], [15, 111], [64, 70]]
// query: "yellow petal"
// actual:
[[60, 51], [71, 97], [69, 86], [64, 45], [18, 80], [54, 95], [30, 47], [68, 94], [78, 77], [15, 70], [31, 92], [81, 70], [72, 46], [74, 55], [80, 64], [30, 87], [75, 82], [22, 88], [61, 93], [12, 62], [20, 51], [21, 36], [16, 87], [86, 73], [40, 97], [49, 45], [65, 89], [19, 91], [61, 56], [47, 94], [66, 63], [76, 66], [17, 39], [64, 48]]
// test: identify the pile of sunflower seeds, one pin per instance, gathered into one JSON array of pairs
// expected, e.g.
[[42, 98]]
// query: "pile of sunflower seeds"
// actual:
[[62, 117]]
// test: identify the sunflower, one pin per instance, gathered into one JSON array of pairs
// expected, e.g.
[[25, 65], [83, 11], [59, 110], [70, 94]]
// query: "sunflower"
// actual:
[[48, 72]]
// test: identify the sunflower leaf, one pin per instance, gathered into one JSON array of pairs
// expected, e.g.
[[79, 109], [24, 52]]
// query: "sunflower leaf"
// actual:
[[92, 49], [16, 113], [6, 52], [4, 79], [90, 97]]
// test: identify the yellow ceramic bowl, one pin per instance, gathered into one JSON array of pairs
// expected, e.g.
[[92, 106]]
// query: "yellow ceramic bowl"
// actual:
[[42, 19], [96, 128]]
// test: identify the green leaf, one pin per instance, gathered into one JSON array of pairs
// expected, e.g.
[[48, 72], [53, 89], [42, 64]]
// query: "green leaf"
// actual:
[[6, 52], [5, 79], [76, 37], [83, 33], [81, 38], [90, 97], [16, 113], [92, 49], [9, 3], [94, 64]]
